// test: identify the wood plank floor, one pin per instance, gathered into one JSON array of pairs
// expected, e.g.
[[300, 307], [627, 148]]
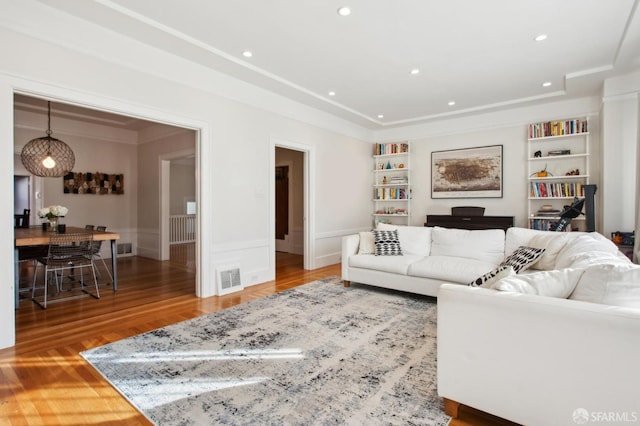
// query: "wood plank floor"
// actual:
[[44, 380]]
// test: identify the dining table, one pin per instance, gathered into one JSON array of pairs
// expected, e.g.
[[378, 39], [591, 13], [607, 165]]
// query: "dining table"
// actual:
[[38, 236]]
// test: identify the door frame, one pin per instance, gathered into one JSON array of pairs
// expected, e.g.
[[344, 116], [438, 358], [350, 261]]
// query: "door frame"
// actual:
[[308, 200], [10, 85], [164, 167]]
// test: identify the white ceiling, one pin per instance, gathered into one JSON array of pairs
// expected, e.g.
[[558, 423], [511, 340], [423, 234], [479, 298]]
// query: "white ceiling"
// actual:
[[480, 54]]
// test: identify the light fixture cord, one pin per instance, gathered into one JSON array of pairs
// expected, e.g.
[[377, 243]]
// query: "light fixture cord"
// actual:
[[49, 128]]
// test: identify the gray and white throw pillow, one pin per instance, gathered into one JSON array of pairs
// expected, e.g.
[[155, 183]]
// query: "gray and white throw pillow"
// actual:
[[387, 243], [523, 258]]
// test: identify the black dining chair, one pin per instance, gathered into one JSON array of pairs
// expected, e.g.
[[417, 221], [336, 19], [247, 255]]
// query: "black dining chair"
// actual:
[[96, 250], [22, 220], [67, 252]]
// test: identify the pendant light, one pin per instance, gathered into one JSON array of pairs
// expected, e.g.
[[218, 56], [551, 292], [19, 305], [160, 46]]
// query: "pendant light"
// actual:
[[47, 156]]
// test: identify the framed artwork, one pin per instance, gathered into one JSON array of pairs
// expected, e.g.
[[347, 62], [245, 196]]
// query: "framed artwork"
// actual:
[[93, 183], [467, 173]]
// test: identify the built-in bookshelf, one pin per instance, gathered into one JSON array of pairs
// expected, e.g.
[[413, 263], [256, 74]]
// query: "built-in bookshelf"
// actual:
[[391, 183], [558, 169]]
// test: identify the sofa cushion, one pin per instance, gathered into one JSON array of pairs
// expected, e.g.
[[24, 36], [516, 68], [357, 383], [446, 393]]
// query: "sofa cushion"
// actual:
[[485, 245], [552, 242], [391, 264], [523, 258], [450, 268], [413, 239], [487, 280], [596, 248], [617, 285], [558, 283], [387, 243], [367, 243], [516, 237]]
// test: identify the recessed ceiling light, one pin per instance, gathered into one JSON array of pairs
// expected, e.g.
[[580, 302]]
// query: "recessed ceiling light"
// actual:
[[344, 11], [451, 103], [332, 93], [546, 84], [380, 116], [541, 37], [247, 54], [415, 71]]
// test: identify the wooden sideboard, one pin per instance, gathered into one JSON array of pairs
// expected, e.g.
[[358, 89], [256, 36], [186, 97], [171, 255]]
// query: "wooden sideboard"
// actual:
[[470, 222]]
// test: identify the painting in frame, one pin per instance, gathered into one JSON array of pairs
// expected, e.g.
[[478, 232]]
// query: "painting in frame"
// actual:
[[467, 173]]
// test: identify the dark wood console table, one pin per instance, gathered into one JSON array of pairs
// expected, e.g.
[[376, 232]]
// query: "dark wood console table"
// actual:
[[470, 222]]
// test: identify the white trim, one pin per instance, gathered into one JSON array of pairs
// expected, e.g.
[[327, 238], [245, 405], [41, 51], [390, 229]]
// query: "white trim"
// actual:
[[164, 169], [9, 85], [308, 199]]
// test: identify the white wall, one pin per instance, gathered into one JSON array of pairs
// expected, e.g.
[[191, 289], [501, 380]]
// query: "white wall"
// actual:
[[183, 186], [235, 123], [234, 141], [619, 153]]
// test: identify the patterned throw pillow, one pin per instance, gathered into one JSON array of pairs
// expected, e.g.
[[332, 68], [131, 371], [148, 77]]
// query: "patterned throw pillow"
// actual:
[[491, 277], [387, 243], [523, 257]]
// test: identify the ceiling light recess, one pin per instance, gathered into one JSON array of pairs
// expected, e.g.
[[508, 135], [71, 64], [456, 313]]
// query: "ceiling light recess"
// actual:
[[344, 11], [332, 93], [546, 84], [451, 103], [541, 37], [415, 71], [247, 54]]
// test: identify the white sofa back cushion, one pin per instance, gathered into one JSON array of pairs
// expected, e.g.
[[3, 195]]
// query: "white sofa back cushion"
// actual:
[[585, 250], [414, 240], [517, 237], [486, 245], [559, 283], [617, 285]]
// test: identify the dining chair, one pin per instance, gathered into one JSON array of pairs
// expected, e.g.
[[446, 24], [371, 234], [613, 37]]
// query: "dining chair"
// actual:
[[22, 220], [67, 252], [96, 247]]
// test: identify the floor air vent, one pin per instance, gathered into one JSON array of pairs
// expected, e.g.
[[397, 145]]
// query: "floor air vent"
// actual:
[[229, 279]]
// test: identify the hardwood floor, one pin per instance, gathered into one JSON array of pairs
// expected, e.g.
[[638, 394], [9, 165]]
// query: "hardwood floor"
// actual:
[[44, 380]]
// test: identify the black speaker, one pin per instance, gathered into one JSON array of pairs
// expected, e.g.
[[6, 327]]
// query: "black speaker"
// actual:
[[590, 206]]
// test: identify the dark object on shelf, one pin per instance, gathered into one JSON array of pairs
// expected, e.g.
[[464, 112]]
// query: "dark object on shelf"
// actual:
[[467, 211], [537, 154], [470, 222], [559, 152], [569, 213]]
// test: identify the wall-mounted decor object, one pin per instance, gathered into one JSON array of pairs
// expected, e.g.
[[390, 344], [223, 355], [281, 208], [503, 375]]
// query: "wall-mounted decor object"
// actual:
[[93, 183], [467, 173]]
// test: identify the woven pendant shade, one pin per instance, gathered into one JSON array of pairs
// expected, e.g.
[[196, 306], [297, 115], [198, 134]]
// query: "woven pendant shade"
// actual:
[[35, 153]]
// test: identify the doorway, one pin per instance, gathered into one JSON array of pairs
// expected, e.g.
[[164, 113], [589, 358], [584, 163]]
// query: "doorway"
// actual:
[[289, 201], [300, 160]]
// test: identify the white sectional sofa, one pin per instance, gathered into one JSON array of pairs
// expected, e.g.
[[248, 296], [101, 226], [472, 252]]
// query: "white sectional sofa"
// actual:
[[556, 344], [432, 256]]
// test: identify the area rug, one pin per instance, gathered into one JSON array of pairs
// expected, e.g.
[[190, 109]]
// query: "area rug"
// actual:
[[316, 354]]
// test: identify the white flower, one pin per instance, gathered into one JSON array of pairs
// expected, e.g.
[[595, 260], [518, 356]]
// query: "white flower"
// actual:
[[53, 211]]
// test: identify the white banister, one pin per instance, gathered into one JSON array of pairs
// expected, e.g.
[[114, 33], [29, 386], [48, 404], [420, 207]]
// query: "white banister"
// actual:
[[182, 228]]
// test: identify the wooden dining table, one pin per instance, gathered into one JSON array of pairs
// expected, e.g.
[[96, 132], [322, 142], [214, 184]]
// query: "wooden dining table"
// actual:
[[37, 236]]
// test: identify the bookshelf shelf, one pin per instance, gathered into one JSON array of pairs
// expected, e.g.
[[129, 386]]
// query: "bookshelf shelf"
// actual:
[[561, 148], [391, 183]]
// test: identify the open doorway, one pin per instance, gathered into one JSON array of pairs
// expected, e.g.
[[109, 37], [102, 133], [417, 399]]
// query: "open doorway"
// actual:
[[289, 201], [117, 144]]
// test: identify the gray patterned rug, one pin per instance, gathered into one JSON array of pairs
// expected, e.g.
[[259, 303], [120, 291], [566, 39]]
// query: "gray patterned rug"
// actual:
[[316, 354]]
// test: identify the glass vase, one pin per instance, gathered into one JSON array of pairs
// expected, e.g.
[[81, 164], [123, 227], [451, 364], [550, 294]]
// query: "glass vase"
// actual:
[[53, 224]]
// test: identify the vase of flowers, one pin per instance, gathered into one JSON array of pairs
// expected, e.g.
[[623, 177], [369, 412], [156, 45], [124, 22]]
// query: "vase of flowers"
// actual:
[[53, 215]]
